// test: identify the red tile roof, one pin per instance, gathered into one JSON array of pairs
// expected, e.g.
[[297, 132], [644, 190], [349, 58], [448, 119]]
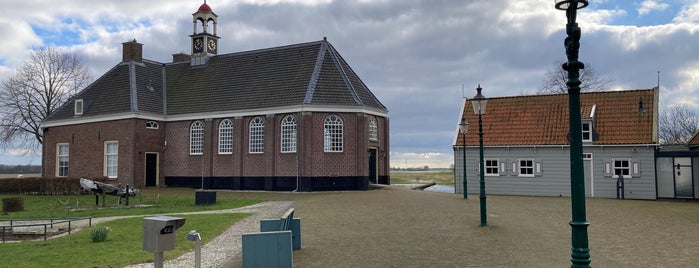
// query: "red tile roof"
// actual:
[[694, 141], [621, 117]]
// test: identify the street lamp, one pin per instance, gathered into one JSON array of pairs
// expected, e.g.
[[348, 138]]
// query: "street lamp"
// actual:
[[580, 251], [478, 103], [463, 129]]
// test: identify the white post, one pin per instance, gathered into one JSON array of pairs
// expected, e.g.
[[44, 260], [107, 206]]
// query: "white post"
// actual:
[[197, 252]]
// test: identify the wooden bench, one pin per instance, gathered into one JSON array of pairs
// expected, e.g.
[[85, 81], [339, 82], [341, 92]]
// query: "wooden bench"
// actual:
[[273, 246]]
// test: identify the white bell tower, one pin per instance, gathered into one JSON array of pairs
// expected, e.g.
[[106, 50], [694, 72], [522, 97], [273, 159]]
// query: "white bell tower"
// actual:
[[204, 41]]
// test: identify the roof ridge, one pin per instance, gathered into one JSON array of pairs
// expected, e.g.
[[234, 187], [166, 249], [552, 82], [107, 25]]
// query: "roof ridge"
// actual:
[[267, 49], [565, 94], [315, 75], [343, 73], [132, 87]]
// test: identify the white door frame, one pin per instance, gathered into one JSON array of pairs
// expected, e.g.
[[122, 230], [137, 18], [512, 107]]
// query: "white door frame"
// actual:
[[592, 173]]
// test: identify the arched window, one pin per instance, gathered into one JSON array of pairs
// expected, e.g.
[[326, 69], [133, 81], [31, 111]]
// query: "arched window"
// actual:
[[373, 129], [257, 135], [196, 138], [152, 125], [225, 137], [288, 134], [332, 134]]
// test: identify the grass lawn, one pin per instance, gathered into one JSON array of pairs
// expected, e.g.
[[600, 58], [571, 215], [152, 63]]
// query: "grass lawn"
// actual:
[[124, 244], [148, 201], [441, 177]]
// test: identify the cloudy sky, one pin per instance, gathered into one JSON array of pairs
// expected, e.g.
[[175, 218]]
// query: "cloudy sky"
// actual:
[[414, 55]]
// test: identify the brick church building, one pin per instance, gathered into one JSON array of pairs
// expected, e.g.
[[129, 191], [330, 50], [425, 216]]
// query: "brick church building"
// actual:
[[294, 117]]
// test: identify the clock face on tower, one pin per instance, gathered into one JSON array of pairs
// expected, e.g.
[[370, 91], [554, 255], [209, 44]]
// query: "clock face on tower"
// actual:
[[198, 45], [211, 46]]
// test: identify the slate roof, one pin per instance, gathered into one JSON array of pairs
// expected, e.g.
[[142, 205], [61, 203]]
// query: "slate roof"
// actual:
[[620, 117], [304, 74], [116, 92]]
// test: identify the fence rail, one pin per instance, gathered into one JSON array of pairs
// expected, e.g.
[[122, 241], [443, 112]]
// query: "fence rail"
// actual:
[[51, 222]]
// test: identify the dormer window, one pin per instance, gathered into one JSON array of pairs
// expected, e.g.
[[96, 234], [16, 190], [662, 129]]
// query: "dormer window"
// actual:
[[587, 131], [79, 107]]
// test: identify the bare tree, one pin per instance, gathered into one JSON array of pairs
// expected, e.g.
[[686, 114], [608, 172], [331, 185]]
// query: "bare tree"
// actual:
[[41, 85], [677, 124], [556, 78]]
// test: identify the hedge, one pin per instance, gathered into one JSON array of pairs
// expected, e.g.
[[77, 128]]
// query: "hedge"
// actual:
[[44, 186]]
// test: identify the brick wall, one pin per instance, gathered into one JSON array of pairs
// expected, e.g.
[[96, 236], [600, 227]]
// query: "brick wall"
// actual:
[[177, 160], [171, 142], [333, 164], [86, 148]]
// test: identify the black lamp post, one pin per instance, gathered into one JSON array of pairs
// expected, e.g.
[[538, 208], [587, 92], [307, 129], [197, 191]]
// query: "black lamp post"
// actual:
[[580, 251], [478, 103], [463, 129]]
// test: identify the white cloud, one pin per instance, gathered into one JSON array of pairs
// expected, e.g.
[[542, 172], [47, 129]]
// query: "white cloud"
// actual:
[[648, 6], [602, 16], [688, 14], [413, 54]]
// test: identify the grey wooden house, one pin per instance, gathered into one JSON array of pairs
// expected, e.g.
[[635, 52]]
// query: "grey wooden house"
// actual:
[[526, 151]]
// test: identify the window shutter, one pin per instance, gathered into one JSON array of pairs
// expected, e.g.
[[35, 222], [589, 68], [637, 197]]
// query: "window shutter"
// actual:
[[607, 168], [514, 171], [635, 168], [503, 168], [537, 167]]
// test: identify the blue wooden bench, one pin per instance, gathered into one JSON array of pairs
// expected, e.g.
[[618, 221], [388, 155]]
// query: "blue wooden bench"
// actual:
[[273, 246]]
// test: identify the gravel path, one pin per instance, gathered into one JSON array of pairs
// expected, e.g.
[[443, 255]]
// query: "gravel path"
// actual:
[[218, 251]]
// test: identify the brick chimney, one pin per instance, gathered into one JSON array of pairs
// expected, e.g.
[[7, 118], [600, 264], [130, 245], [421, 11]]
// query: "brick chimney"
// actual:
[[179, 57], [132, 51]]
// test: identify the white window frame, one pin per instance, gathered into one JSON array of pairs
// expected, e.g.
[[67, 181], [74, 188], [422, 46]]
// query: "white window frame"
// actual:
[[62, 159], [256, 137], [496, 167], [196, 138], [373, 129], [152, 125], [621, 168], [111, 159], [332, 134], [588, 131], [288, 134], [79, 106], [225, 137], [521, 168]]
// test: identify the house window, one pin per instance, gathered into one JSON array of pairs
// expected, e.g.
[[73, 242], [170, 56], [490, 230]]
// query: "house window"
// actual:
[[111, 159], [373, 129], [622, 168], [225, 137], [289, 134], [62, 159], [526, 167], [79, 107], [492, 167], [152, 125], [257, 135], [587, 131], [333, 134], [196, 138]]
